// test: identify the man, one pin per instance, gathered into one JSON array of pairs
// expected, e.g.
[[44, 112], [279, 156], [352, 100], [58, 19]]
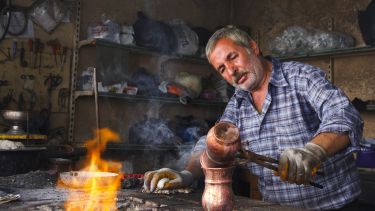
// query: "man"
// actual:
[[288, 111]]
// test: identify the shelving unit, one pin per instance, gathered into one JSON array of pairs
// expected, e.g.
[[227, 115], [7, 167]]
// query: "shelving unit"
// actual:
[[330, 53], [90, 43], [93, 48], [138, 49]]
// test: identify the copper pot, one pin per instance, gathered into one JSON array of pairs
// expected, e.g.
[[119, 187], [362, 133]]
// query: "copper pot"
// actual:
[[218, 194], [208, 162], [223, 142]]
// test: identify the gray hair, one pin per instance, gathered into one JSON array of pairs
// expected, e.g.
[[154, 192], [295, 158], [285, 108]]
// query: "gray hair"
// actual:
[[233, 33]]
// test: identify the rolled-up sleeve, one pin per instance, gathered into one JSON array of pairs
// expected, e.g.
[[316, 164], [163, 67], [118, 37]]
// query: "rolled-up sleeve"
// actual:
[[334, 109], [200, 146], [229, 115]]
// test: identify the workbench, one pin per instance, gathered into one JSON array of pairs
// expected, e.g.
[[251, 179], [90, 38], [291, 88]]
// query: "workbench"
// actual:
[[54, 198]]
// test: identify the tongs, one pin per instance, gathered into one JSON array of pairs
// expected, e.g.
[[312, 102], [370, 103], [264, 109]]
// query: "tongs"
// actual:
[[267, 162]]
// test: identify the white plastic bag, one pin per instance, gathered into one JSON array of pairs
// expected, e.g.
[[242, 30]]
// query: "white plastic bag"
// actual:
[[187, 39]]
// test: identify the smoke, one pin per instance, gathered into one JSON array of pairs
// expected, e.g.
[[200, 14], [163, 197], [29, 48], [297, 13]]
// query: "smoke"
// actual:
[[183, 157]]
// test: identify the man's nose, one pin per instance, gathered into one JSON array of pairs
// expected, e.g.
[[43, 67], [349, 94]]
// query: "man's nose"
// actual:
[[232, 69]]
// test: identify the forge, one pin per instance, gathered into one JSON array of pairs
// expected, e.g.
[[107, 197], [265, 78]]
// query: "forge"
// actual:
[[38, 192]]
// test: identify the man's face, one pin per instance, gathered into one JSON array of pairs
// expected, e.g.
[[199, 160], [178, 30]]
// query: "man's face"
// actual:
[[237, 65]]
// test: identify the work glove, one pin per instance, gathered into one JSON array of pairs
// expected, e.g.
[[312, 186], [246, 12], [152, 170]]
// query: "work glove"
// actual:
[[298, 165], [167, 178]]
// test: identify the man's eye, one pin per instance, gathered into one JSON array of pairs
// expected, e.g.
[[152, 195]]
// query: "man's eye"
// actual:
[[232, 56], [221, 69]]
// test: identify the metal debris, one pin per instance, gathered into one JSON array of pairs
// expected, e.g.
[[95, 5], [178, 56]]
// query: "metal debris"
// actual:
[[169, 191], [5, 198]]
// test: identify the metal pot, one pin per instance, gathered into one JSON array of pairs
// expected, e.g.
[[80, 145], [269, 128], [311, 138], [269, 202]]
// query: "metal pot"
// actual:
[[218, 193], [223, 142], [18, 161]]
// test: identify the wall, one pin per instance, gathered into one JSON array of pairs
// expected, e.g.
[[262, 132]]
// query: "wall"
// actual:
[[354, 74], [12, 70]]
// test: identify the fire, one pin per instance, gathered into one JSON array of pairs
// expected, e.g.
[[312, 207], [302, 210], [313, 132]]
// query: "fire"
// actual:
[[95, 186]]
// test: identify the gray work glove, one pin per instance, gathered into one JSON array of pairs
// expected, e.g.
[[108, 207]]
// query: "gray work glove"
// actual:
[[300, 164], [167, 178]]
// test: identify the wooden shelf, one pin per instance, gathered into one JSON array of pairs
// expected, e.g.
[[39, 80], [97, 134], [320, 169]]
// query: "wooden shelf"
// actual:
[[23, 136], [132, 98], [330, 53], [138, 49]]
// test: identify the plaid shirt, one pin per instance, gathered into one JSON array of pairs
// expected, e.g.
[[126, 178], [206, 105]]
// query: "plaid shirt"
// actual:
[[299, 105]]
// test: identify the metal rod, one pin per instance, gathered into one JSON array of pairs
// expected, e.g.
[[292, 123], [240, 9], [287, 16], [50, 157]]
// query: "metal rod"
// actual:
[[95, 87]]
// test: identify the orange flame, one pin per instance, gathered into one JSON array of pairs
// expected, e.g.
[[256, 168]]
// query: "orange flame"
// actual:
[[95, 186]]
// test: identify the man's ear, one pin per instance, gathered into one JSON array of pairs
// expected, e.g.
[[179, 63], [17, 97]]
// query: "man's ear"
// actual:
[[254, 47]]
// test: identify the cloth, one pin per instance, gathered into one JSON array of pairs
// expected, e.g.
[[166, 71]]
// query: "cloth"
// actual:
[[299, 105]]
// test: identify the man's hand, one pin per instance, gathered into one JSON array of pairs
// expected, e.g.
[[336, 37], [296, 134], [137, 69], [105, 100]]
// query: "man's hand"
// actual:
[[166, 178], [300, 164]]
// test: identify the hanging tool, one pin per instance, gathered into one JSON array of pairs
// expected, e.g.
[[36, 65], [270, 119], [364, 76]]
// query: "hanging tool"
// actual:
[[30, 44], [36, 51], [51, 81], [23, 62], [63, 58], [62, 98], [55, 47], [14, 49], [9, 57], [40, 50], [6, 57], [268, 162], [4, 82], [7, 99]]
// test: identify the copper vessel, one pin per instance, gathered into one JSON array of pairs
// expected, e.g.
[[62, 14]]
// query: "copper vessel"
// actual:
[[218, 194], [223, 142]]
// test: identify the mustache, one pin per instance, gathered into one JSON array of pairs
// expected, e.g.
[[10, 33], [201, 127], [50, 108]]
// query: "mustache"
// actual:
[[237, 75]]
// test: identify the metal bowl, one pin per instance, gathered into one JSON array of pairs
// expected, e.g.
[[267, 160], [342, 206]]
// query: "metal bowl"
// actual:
[[82, 179], [14, 116]]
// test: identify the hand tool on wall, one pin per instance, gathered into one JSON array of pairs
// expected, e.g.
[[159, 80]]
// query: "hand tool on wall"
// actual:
[[62, 98], [7, 99], [23, 62], [55, 47], [4, 83], [6, 57], [14, 49], [63, 58], [30, 44], [40, 50], [9, 57], [51, 81], [28, 81], [36, 51]]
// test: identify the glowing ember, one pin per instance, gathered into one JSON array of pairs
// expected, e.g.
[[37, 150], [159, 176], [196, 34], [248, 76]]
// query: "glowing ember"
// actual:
[[95, 186]]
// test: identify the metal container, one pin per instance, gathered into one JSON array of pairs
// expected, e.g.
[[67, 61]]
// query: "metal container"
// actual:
[[16, 119], [14, 116], [218, 194], [82, 179], [223, 142]]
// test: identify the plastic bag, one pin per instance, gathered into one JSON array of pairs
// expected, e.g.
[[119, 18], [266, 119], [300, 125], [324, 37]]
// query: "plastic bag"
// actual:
[[154, 34], [107, 29], [48, 13], [298, 39], [366, 20], [187, 39]]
